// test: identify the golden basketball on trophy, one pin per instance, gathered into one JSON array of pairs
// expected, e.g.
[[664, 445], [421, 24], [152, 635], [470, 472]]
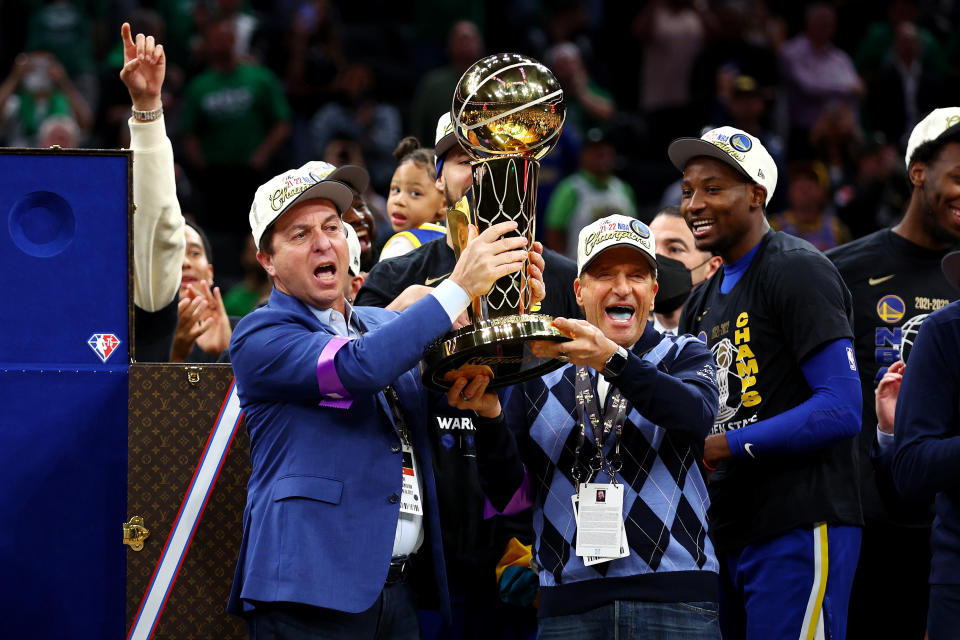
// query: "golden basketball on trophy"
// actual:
[[508, 112]]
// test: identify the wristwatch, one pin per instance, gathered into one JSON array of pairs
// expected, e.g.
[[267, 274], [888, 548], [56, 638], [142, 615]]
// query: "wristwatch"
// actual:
[[147, 116], [616, 363]]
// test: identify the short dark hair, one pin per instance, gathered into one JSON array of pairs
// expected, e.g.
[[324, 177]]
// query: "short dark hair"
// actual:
[[929, 151], [266, 241], [671, 210], [207, 249]]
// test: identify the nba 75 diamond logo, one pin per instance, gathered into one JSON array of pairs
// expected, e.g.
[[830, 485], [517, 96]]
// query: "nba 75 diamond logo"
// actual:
[[103, 344]]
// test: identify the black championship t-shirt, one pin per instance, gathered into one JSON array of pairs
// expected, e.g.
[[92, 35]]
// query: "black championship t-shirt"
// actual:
[[895, 284], [789, 302], [472, 545]]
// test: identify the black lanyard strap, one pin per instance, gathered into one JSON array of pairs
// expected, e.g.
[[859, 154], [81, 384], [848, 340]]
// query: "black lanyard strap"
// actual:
[[396, 409], [612, 423], [392, 398]]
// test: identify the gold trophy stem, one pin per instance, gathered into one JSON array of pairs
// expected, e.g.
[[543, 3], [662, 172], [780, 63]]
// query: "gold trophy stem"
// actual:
[[495, 343]]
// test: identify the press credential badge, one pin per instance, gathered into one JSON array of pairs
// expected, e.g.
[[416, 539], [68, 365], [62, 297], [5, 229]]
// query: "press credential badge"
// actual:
[[410, 500], [600, 529]]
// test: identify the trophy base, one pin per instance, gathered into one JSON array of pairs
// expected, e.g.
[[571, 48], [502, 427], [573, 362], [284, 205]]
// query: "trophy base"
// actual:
[[498, 348]]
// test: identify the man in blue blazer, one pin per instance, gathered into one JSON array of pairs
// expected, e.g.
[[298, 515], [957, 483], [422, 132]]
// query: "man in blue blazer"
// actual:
[[341, 499]]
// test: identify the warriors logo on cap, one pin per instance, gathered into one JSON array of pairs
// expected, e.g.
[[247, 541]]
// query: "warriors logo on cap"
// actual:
[[736, 148], [740, 142], [639, 228]]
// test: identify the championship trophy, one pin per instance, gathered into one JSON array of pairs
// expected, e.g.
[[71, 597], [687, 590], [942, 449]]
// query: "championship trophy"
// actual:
[[507, 112]]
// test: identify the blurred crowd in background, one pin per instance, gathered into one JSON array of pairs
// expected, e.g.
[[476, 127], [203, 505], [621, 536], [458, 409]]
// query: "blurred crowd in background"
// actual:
[[253, 88]]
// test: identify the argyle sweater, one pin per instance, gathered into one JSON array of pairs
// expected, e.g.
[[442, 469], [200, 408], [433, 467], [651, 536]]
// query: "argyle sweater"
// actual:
[[528, 453]]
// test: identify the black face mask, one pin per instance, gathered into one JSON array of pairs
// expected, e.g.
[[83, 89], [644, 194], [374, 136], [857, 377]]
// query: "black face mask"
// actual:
[[675, 285]]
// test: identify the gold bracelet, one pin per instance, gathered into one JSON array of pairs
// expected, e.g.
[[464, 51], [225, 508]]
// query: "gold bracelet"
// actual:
[[147, 116]]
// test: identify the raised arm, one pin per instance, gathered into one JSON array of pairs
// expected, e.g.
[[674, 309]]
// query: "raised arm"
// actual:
[[292, 361], [158, 240]]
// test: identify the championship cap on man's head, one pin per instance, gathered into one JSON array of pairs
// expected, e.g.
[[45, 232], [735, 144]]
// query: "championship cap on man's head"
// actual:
[[353, 244], [445, 138], [737, 148], [615, 231], [938, 123], [311, 181]]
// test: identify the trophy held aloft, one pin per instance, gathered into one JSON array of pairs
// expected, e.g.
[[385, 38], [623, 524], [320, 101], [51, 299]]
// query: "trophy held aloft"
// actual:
[[507, 112]]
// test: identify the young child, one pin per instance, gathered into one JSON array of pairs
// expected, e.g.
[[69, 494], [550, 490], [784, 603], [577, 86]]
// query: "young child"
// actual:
[[415, 204]]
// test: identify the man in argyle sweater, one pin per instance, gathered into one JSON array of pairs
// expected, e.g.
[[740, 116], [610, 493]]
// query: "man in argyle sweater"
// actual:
[[537, 449]]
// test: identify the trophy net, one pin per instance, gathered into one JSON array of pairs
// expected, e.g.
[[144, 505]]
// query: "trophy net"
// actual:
[[506, 190], [507, 113]]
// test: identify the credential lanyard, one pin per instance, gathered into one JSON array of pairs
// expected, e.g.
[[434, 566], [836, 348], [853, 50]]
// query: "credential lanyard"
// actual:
[[612, 424], [393, 401]]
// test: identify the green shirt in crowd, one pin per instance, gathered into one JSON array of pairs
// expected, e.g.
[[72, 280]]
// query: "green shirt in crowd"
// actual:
[[232, 113]]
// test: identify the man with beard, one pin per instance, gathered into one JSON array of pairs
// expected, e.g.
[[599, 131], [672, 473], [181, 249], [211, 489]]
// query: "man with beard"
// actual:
[[395, 284], [785, 506], [473, 543], [895, 278]]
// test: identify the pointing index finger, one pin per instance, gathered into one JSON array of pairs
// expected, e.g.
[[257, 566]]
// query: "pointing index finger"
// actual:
[[129, 48]]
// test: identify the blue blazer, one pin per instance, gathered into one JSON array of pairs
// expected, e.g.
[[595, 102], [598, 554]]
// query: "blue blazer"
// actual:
[[322, 505]]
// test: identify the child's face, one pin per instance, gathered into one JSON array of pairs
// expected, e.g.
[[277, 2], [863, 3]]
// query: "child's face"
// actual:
[[414, 198]]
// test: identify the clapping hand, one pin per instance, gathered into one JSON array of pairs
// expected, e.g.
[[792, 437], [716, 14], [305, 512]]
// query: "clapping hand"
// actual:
[[217, 338], [886, 398], [202, 321]]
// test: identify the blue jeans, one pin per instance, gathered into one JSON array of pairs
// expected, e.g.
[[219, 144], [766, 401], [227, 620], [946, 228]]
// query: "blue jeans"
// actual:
[[625, 620]]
